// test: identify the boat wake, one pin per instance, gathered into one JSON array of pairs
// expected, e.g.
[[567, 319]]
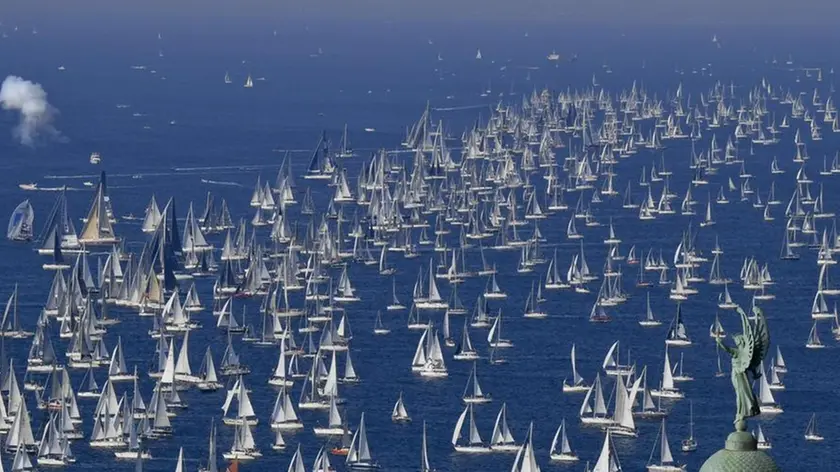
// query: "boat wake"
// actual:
[[217, 182], [465, 107]]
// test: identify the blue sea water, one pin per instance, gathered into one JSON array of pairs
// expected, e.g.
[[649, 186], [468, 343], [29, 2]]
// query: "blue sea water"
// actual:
[[192, 127]]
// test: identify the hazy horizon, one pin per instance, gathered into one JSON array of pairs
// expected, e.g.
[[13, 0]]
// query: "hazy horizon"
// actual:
[[723, 13]]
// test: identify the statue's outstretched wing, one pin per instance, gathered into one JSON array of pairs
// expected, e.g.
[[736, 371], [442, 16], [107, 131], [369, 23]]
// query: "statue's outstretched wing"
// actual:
[[742, 360], [760, 339]]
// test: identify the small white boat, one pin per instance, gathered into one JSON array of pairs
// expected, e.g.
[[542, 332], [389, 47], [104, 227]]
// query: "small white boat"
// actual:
[[762, 443], [561, 451], [811, 433], [666, 461], [400, 415]]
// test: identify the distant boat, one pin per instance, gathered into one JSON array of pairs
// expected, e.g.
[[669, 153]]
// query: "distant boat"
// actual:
[[227, 78], [478, 54], [553, 56], [95, 158], [763, 443], [248, 82], [666, 460], [20, 224], [560, 449], [811, 433], [689, 444]]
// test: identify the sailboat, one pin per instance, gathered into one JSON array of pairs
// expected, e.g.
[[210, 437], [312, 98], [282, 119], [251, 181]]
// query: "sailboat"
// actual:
[[243, 447], [465, 351], [227, 78], [607, 459], [474, 443], [578, 383], [526, 460], [716, 329], [249, 83], [532, 305], [561, 451], [779, 364], [434, 300], [424, 453], [811, 433], [611, 363], [212, 458], [493, 291], [395, 304], [649, 320], [98, 229], [595, 411], [399, 414], [689, 444], [708, 221], [814, 338], [245, 411], [766, 400], [677, 335], [379, 327], [336, 422], [666, 460], [762, 443], [21, 227], [209, 381], [474, 394], [359, 456], [502, 438], [667, 388], [296, 464]]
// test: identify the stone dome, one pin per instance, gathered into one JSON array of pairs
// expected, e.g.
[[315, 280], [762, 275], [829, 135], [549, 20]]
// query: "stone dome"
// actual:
[[740, 455]]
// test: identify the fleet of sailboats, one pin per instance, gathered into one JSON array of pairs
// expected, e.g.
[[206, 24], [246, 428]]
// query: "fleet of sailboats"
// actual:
[[534, 180]]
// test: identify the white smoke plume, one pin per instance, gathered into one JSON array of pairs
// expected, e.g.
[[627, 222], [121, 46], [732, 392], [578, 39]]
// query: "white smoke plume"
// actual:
[[30, 101]]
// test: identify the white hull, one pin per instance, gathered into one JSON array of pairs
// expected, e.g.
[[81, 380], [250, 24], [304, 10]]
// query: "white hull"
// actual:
[[287, 426], [648, 324], [432, 305], [240, 421], [473, 449], [467, 356], [121, 377], [52, 462], [575, 388], [504, 447], [281, 382], [569, 457], [333, 431], [314, 406], [130, 455], [667, 394], [434, 373], [588, 420], [241, 455], [665, 468], [108, 443], [477, 400]]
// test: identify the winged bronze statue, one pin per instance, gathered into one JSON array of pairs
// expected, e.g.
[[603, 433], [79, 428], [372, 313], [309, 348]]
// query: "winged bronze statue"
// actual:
[[750, 349]]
